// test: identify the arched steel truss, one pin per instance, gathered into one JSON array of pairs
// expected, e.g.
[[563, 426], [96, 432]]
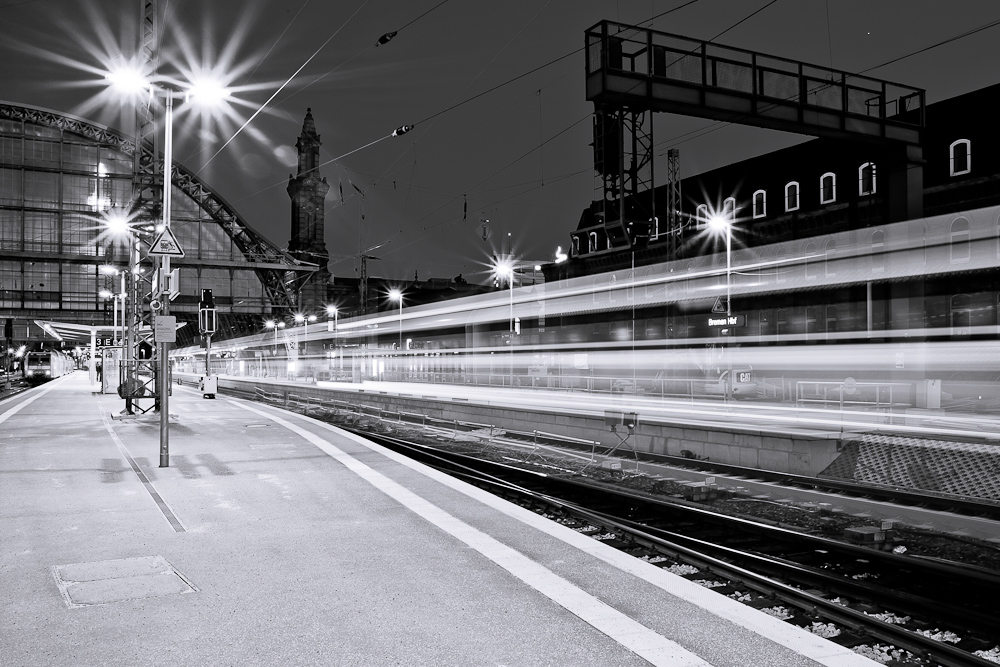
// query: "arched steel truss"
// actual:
[[279, 273]]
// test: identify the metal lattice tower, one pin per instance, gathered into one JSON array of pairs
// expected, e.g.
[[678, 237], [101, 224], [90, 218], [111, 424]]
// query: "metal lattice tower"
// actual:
[[672, 222], [623, 162], [146, 188]]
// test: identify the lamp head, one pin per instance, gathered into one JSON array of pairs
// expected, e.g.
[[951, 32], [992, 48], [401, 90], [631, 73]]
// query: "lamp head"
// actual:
[[718, 223]]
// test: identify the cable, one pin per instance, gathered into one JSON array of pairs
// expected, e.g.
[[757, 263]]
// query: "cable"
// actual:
[[717, 125], [282, 86], [215, 121]]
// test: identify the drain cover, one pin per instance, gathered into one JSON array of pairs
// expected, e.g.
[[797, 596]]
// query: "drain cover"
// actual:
[[107, 581]]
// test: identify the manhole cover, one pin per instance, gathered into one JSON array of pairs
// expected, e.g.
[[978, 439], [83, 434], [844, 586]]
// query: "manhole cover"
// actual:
[[107, 581]]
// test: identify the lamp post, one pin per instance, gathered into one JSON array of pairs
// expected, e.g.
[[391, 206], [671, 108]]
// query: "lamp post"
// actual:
[[304, 320], [332, 310], [504, 268], [132, 82], [397, 295], [723, 224]]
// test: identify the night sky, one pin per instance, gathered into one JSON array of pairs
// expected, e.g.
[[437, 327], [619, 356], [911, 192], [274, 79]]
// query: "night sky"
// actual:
[[488, 151]]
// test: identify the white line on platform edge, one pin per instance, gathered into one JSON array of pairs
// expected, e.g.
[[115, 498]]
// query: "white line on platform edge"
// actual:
[[17, 408], [632, 635], [797, 639]]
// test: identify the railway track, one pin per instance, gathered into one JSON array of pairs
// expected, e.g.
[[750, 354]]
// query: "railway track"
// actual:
[[906, 610], [860, 593]]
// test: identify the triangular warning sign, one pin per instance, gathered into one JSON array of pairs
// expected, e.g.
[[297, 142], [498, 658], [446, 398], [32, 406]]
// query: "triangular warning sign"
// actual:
[[720, 305], [166, 244]]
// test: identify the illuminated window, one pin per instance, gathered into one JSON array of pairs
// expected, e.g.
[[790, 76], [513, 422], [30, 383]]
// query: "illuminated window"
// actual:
[[961, 157], [866, 179], [878, 250], [729, 209], [654, 288], [759, 204], [960, 246], [828, 188], [810, 261], [792, 197], [701, 214]]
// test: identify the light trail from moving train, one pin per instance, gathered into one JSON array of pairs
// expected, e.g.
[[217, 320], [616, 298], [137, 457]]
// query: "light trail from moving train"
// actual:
[[893, 325]]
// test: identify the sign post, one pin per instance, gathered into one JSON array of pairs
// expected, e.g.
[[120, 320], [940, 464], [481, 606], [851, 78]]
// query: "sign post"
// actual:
[[165, 246]]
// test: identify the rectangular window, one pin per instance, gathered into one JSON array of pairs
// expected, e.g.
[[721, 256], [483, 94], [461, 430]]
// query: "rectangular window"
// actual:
[[38, 153], [10, 150], [10, 230], [41, 285], [79, 286], [32, 130], [10, 126], [41, 231], [79, 192], [216, 280], [116, 163], [41, 189], [189, 281], [80, 157], [79, 235], [10, 187], [10, 284]]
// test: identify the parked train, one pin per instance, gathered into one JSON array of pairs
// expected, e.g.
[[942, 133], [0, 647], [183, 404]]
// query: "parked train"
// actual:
[[43, 365], [903, 313]]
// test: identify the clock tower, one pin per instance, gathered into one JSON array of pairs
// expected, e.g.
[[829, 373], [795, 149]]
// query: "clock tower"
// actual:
[[307, 191]]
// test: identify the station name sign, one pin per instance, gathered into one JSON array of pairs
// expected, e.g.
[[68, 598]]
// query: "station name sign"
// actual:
[[727, 320]]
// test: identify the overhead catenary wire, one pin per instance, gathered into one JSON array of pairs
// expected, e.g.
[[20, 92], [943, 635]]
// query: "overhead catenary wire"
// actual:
[[718, 125], [282, 86], [458, 104]]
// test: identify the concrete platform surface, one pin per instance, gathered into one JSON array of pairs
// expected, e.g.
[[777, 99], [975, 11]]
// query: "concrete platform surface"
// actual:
[[275, 539]]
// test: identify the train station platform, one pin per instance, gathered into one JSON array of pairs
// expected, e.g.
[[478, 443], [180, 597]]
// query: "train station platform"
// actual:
[[273, 538]]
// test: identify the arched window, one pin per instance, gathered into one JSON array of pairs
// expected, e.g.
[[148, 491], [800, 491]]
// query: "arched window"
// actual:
[[866, 179], [811, 260], [780, 267], [729, 209], [701, 213], [828, 256], [601, 293], [792, 196], [960, 250], [759, 204], [654, 288], [961, 157], [998, 240], [593, 242], [828, 188], [576, 246], [878, 250]]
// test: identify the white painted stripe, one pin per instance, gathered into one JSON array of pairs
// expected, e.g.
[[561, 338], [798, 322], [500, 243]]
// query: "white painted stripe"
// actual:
[[784, 634], [161, 504], [49, 386], [634, 636]]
